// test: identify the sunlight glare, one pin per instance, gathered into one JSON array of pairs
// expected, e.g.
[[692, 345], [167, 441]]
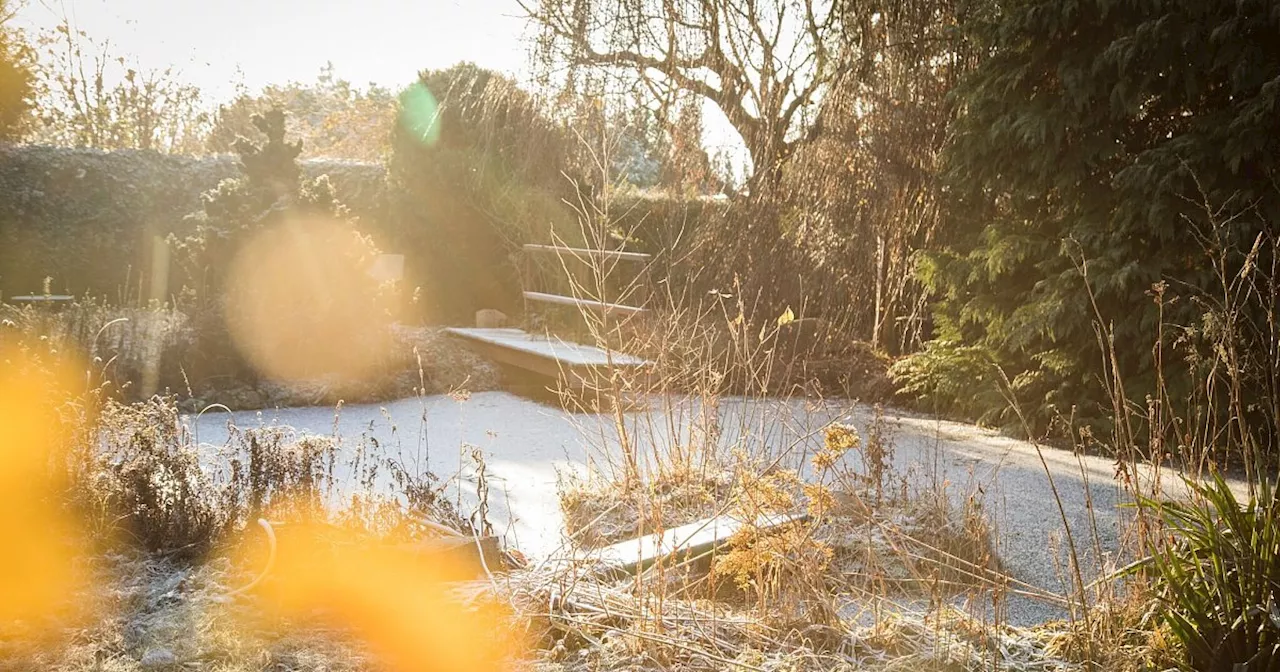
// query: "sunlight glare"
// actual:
[[38, 574], [301, 304], [393, 598], [420, 114]]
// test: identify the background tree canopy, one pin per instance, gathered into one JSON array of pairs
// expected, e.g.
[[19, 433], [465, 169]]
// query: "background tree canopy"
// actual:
[[330, 116], [90, 96], [764, 63], [16, 76], [1104, 133]]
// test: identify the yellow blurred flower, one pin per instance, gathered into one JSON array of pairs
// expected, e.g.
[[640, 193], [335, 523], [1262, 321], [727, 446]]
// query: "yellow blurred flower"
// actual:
[[40, 541], [395, 598]]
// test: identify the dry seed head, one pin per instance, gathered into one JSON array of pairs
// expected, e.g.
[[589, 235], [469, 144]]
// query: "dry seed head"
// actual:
[[774, 491], [841, 438], [820, 499], [838, 439]]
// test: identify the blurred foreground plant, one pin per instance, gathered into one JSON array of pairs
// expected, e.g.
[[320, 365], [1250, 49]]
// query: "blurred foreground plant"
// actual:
[[40, 540], [397, 599]]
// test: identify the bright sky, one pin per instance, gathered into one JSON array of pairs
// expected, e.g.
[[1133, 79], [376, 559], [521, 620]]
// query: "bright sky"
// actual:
[[216, 44], [277, 41]]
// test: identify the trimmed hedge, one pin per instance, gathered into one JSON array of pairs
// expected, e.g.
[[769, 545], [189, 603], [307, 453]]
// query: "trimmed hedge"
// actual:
[[87, 217]]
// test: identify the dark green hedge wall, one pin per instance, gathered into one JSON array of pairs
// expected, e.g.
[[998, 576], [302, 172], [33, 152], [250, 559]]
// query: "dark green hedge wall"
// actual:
[[87, 218]]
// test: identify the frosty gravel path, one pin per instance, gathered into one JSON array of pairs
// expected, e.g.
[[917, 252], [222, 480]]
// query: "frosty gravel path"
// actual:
[[526, 443]]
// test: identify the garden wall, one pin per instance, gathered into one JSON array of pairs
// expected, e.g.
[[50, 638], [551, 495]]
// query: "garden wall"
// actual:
[[88, 218]]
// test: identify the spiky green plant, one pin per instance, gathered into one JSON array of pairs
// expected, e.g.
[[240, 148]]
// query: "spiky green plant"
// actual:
[[1219, 576]]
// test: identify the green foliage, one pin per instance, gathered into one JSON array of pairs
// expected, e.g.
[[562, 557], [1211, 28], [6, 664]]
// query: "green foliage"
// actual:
[[1219, 578], [330, 116], [490, 175], [1099, 136], [88, 218], [17, 77], [271, 195], [270, 188], [952, 380]]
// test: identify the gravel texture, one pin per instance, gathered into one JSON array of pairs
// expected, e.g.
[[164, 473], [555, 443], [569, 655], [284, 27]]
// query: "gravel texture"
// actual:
[[526, 444]]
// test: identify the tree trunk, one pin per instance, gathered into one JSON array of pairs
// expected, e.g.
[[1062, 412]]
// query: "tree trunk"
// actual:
[[768, 156]]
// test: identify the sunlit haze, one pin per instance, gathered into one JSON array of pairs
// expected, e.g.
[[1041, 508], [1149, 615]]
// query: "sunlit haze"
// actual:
[[220, 45], [382, 41], [472, 336]]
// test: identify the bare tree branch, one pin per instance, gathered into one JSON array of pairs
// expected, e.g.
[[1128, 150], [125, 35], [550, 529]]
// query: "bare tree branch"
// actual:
[[762, 62]]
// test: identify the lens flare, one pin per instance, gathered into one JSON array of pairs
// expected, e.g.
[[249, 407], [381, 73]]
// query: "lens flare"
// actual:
[[301, 304], [393, 598], [420, 114], [39, 541]]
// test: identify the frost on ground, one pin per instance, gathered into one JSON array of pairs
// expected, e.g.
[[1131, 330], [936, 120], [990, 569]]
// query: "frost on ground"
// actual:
[[148, 612], [154, 613]]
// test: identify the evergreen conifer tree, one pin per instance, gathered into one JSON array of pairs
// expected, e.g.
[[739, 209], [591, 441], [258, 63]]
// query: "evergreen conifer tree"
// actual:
[[1101, 132]]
